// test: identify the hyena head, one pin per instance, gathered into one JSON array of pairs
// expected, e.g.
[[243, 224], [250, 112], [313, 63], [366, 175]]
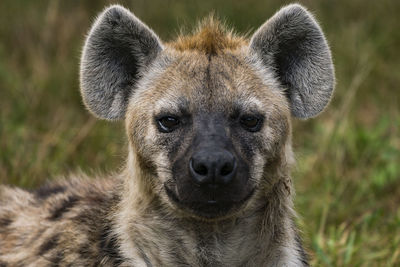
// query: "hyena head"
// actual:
[[207, 115]]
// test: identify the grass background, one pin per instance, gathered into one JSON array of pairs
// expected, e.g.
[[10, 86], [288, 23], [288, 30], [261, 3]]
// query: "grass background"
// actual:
[[348, 172]]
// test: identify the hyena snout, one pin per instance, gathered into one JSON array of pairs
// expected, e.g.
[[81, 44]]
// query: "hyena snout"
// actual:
[[212, 179], [213, 168]]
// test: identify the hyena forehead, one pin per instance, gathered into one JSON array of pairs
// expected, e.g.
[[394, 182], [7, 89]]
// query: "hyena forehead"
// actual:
[[209, 68], [194, 81]]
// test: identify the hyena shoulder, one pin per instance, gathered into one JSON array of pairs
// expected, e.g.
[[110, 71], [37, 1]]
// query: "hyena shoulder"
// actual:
[[66, 221]]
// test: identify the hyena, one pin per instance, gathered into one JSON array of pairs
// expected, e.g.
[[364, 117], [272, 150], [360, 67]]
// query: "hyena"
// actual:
[[207, 176]]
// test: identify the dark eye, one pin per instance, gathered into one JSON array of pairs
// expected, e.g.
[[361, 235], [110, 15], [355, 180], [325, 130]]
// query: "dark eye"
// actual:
[[251, 123], [167, 124]]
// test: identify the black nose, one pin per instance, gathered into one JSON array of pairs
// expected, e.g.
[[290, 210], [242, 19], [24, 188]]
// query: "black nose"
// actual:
[[212, 167]]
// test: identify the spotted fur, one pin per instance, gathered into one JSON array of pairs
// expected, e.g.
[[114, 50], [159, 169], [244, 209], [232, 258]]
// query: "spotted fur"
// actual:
[[149, 213]]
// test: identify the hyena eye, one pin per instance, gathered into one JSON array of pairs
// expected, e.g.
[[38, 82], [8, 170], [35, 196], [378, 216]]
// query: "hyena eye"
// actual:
[[167, 124], [251, 123]]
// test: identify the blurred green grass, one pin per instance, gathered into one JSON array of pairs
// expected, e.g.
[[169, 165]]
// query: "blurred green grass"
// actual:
[[348, 172]]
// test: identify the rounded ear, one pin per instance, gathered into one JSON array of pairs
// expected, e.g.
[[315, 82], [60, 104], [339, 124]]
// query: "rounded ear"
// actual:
[[117, 51], [292, 45]]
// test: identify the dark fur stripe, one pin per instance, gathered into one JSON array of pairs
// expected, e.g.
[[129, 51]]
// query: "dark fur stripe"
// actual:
[[49, 244], [64, 207], [109, 246], [4, 222], [47, 191]]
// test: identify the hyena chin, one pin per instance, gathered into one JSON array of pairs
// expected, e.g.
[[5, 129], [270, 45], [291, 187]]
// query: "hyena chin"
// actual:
[[207, 177]]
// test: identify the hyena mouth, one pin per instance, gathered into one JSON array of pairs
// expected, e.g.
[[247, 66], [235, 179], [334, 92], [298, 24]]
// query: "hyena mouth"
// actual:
[[211, 207]]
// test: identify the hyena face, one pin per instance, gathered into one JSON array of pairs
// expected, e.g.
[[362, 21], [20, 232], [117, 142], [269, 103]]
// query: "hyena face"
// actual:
[[207, 116], [211, 128]]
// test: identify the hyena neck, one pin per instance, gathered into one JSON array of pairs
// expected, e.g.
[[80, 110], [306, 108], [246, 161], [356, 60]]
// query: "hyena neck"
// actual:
[[150, 234]]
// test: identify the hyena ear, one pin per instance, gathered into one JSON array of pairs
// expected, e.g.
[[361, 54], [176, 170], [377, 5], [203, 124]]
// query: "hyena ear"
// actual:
[[292, 44], [117, 51]]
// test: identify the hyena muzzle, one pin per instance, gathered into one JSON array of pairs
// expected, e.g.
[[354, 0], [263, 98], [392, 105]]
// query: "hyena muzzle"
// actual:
[[207, 177]]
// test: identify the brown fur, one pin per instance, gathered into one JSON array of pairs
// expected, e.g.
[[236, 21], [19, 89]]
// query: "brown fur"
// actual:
[[211, 37]]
